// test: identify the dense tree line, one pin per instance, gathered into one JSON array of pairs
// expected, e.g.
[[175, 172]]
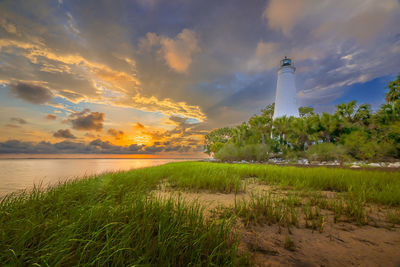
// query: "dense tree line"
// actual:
[[352, 132]]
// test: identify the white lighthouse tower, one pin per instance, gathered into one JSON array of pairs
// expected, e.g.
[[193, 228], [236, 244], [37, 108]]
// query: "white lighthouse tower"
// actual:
[[286, 95]]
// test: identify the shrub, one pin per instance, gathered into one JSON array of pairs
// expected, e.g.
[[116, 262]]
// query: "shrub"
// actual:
[[359, 145], [216, 147], [292, 154], [326, 152], [231, 152]]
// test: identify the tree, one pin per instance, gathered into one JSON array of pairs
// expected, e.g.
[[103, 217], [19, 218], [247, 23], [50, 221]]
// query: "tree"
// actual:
[[329, 127], [388, 113], [352, 131], [298, 134], [280, 128], [240, 134], [346, 111], [221, 135], [268, 111], [306, 111], [261, 125], [394, 90], [363, 115]]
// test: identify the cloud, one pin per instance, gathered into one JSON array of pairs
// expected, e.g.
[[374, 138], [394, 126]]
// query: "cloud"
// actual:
[[117, 134], [87, 120], [148, 3], [192, 61], [9, 27], [68, 147], [50, 117], [74, 77], [82, 69], [89, 135], [18, 120], [71, 96], [31, 93], [266, 57], [12, 125], [283, 14], [99, 146], [177, 52], [153, 149], [166, 106], [64, 134], [184, 133], [139, 125], [182, 127], [327, 18], [177, 148]]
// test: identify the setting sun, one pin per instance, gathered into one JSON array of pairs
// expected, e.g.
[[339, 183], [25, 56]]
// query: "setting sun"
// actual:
[[142, 139]]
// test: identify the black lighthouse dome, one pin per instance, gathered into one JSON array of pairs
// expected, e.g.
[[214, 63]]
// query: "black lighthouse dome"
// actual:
[[286, 62]]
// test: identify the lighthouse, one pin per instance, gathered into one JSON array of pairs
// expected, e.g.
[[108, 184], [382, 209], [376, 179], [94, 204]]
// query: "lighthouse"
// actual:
[[285, 98]]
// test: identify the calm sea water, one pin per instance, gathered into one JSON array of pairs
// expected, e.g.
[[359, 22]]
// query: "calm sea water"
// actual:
[[17, 174]]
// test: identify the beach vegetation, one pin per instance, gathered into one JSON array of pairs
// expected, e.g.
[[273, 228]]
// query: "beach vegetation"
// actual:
[[352, 132]]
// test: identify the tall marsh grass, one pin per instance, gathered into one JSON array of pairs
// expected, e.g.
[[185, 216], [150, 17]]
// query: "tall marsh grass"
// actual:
[[368, 185], [110, 221]]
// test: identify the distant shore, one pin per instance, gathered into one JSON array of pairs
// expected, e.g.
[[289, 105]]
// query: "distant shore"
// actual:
[[99, 156]]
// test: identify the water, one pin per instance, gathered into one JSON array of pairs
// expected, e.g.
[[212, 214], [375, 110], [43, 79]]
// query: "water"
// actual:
[[17, 174]]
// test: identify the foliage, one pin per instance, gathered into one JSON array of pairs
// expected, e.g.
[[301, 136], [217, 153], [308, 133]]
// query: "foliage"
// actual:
[[221, 135], [394, 90], [352, 132], [326, 152], [250, 152], [306, 111]]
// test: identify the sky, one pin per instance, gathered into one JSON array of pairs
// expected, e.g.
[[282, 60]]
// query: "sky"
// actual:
[[152, 77]]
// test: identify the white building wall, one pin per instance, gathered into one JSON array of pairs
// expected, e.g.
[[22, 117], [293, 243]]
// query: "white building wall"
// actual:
[[286, 94]]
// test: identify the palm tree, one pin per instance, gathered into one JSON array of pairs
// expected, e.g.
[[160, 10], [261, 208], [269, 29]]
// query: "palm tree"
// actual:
[[394, 90], [240, 133], [262, 125], [346, 111], [298, 133], [329, 127], [363, 115], [280, 128]]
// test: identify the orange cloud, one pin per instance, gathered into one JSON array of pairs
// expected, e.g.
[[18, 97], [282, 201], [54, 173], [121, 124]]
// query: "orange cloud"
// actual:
[[177, 52], [166, 106], [102, 73], [138, 125], [117, 134]]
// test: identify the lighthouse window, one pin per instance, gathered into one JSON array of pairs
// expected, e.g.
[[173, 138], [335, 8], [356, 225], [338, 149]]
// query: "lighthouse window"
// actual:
[[286, 62]]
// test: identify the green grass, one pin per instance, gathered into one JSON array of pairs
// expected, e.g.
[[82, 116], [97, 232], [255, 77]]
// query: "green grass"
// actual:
[[111, 220], [394, 216], [368, 185], [114, 219], [266, 209]]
